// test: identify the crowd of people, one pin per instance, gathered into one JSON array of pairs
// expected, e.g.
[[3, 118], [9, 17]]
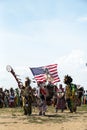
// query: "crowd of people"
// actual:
[[10, 98], [58, 96]]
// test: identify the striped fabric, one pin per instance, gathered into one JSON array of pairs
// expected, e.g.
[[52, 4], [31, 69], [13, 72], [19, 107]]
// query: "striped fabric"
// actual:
[[46, 73]]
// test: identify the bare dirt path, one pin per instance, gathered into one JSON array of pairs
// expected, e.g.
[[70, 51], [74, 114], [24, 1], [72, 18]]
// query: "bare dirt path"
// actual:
[[13, 119]]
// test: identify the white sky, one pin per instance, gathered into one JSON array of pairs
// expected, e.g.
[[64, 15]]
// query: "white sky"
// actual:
[[43, 32]]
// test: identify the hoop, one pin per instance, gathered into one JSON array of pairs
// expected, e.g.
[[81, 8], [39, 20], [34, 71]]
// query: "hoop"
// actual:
[[8, 68]]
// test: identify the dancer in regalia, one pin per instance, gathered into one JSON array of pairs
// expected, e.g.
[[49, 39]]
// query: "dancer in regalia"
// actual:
[[27, 97], [42, 98], [70, 93], [61, 103]]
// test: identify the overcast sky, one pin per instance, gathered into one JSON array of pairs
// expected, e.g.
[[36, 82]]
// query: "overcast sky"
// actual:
[[43, 32]]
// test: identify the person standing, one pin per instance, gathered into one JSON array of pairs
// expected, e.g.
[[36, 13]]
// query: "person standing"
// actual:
[[70, 93], [27, 97], [42, 99], [61, 103]]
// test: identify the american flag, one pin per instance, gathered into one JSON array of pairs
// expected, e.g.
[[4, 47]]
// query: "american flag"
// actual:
[[46, 73]]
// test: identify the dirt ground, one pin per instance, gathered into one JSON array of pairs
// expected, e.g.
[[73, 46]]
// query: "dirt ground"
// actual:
[[13, 119]]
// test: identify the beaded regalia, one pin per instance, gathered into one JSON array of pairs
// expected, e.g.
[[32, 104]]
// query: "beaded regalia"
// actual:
[[70, 93]]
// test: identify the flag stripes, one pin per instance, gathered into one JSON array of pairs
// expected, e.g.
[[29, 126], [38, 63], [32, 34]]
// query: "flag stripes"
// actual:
[[40, 73]]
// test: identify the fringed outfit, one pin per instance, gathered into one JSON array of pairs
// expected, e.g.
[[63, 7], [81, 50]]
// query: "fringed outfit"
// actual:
[[71, 97], [61, 103]]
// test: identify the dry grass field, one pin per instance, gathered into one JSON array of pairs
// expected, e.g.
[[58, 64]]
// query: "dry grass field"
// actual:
[[13, 119]]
